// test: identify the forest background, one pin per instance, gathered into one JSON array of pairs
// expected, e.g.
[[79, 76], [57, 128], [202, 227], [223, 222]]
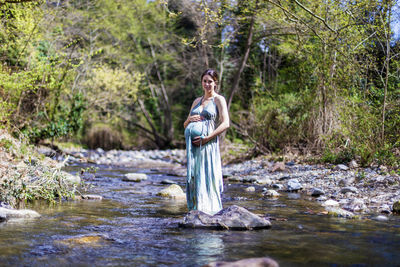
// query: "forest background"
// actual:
[[319, 77]]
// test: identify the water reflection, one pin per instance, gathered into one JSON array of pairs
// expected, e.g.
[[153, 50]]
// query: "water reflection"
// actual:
[[205, 246]]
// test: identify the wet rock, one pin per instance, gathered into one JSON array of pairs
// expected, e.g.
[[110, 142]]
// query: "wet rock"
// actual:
[[355, 204], [3, 217], [271, 193], [381, 218], [293, 185], [172, 191], [277, 186], [226, 174], [396, 207], [251, 262], [338, 212], [278, 166], [293, 196], [316, 192], [385, 208], [167, 181], [330, 203], [233, 218], [321, 198], [92, 197], [11, 213], [353, 164], [134, 177], [341, 167], [249, 179], [250, 189], [348, 189], [264, 181], [235, 178]]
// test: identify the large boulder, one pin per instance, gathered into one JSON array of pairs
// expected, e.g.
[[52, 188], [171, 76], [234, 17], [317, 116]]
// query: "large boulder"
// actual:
[[251, 262], [172, 191], [233, 218], [11, 213]]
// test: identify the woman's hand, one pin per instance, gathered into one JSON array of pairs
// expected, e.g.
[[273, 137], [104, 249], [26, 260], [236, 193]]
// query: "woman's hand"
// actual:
[[197, 141], [192, 118]]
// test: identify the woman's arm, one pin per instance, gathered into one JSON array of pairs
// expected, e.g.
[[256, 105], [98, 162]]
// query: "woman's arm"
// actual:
[[189, 119], [224, 118]]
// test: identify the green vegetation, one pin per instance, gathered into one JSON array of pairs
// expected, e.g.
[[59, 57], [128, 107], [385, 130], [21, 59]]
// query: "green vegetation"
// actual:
[[307, 77]]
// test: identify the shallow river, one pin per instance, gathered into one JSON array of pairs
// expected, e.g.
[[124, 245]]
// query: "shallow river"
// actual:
[[132, 226]]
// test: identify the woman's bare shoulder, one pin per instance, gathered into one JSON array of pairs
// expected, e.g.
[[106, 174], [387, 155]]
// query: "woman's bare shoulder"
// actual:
[[220, 99]]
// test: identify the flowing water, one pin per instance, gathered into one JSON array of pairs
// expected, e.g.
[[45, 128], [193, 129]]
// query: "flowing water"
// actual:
[[132, 226]]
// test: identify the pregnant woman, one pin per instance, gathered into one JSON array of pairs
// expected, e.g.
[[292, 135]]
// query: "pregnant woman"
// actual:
[[207, 119]]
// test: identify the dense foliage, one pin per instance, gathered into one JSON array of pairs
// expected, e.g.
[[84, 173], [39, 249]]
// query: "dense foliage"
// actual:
[[304, 76]]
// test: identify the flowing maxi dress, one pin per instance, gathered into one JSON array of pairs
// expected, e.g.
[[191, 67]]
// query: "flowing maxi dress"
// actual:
[[204, 183]]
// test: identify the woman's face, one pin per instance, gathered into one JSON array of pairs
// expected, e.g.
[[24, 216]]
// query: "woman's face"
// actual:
[[208, 84]]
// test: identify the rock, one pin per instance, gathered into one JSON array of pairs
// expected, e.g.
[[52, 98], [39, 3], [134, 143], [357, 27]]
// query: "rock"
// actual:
[[179, 172], [11, 213], [172, 191], [347, 181], [321, 198], [251, 262], [347, 189], [70, 178], [293, 185], [381, 218], [134, 177], [233, 218], [353, 164], [167, 181], [264, 181], [277, 186], [235, 179], [385, 208], [355, 204], [271, 193], [226, 174], [249, 179], [330, 203], [279, 166], [316, 192], [92, 197], [3, 217], [250, 189], [341, 167], [396, 207], [338, 212]]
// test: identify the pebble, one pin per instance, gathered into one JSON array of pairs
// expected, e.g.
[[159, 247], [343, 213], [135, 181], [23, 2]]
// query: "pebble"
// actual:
[[350, 189], [172, 191], [277, 186], [381, 218], [271, 193], [341, 167], [330, 203], [167, 181]]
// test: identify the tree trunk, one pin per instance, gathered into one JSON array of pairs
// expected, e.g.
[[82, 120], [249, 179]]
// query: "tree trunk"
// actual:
[[243, 61]]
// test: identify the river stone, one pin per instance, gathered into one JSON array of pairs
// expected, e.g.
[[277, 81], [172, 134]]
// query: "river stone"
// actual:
[[11, 213], [233, 218], [316, 192], [3, 217], [294, 185], [251, 262], [83, 240], [134, 177], [348, 189], [384, 208], [271, 193], [264, 181], [356, 204], [338, 212], [250, 189], [167, 181], [330, 203], [172, 191], [396, 207], [249, 179], [277, 186], [341, 167], [92, 197]]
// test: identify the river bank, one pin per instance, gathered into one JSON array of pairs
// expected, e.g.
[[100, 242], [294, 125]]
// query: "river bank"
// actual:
[[347, 191]]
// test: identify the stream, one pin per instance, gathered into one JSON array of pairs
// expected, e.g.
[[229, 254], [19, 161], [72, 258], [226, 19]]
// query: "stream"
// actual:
[[132, 226]]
